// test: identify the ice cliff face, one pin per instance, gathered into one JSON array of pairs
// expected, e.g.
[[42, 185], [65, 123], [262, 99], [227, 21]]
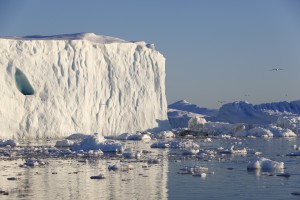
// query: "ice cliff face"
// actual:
[[57, 85]]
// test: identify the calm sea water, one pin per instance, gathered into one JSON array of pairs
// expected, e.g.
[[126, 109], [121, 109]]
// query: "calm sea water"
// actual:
[[70, 179]]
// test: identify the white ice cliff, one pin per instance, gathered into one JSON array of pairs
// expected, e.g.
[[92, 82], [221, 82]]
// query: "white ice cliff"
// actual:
[[52, 86]]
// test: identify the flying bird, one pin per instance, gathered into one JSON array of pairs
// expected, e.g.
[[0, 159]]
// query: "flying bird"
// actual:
[[276, 69]]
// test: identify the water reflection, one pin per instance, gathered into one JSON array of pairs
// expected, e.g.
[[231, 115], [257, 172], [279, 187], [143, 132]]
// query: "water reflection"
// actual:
[[70, 179]]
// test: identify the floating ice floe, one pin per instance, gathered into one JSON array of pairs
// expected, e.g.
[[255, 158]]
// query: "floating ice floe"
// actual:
[[120, 166], [129, 153], [163, 135], [202, 175], [256, 132], [138, 136], [267, 131], [265, 164], [254, 152], [100, 176], [11, 143], [217, 128], [240, 129], [98, 142], [33, 162], [64, 143], [290, 122], [295, 147], [176, 144], [234, 151], [282, 132], [95, 153], [295, 153], [77, 136], [190, 151], [193, 170], [196, 123], [207, 140], [153, 161], [205, 156]]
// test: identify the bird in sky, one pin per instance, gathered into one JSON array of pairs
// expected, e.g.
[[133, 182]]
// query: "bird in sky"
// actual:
[[276, 69]]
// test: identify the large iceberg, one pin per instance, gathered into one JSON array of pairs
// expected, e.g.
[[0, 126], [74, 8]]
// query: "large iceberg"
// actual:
[[267, 113], [180, 112], [52, 86]]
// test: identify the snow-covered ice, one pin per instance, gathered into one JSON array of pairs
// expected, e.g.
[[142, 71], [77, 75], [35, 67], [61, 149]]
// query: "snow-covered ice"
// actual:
[[137, 136], [265, 164], [64, 143], [188, 144], [77, 136], [162, 135], [98, 143], [80, 83], [180, 112], [196, 123], [234, 151]]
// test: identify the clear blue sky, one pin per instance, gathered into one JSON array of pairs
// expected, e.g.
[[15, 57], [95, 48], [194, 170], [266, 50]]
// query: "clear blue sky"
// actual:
[[215, 50]]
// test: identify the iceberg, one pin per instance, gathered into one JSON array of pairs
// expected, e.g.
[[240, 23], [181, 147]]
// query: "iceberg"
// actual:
[[97, 143], [267, 113], [53, 86], [265, 164], [179, 113]]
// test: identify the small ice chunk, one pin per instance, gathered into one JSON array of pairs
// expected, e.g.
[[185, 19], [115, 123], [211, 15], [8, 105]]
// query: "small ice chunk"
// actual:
[[145, 137], [234, 151], [295, 153], [97, 142], [31, 162], [64, 143], [77, 136], [136, 136], [282, 132], [163, 135], [11, 143], [128, 153], [207, 140], [190, 151], [176, 144], [196, 123], [193, 170], [100, 176], [123, 136], [265, 164]]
